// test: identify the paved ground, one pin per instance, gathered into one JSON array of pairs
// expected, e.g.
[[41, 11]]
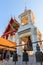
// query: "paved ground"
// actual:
[[32, 61]]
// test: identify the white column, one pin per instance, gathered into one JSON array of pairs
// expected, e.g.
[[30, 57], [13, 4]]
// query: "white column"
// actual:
[[9, 37], [30, 20], [18, 43], [14, 38], [34, 38]]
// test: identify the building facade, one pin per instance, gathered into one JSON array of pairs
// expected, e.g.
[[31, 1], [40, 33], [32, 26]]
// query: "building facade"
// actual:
[[27, 33], [24, 33]]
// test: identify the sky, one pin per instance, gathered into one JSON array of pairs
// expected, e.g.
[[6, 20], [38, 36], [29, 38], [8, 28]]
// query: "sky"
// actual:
[[13, 8]]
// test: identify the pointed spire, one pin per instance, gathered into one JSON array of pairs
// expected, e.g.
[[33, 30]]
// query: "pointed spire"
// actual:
[[25, 6]]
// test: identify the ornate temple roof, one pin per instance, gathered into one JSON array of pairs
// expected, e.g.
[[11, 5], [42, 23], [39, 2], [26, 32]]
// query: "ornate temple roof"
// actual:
[[11, 27]]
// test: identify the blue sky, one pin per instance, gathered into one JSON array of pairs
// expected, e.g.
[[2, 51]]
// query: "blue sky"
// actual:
[[13, 8]]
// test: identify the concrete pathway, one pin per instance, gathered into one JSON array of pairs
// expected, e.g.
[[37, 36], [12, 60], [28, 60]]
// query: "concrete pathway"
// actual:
[[32, 61]]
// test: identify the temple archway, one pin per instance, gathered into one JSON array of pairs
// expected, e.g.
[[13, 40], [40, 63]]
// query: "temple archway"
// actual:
[[26, 41]]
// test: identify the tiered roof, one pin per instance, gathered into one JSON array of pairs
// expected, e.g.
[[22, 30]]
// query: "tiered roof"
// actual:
[[11, 28]]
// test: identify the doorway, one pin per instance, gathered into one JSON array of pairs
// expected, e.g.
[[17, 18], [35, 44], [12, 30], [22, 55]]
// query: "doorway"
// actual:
[[27, 43]]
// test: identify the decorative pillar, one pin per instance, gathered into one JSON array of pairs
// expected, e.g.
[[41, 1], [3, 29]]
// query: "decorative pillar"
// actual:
[[18, 43], [9, 37], [14, 38], [34, 38]]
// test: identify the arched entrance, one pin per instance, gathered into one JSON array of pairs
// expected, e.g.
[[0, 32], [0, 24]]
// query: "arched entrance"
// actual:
[[26, 41]]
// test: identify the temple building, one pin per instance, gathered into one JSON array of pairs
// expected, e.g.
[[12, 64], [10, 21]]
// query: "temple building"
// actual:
[[24, 33], [11, 29], [28, 32]]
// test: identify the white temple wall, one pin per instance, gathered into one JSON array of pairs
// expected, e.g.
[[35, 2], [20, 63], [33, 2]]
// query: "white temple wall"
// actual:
[[12, 38]]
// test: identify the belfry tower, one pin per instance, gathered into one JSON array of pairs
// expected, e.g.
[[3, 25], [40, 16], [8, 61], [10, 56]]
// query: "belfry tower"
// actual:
[[27, 32]]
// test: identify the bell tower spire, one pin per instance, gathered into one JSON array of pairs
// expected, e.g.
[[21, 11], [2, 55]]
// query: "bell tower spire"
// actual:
[[25, 6]]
